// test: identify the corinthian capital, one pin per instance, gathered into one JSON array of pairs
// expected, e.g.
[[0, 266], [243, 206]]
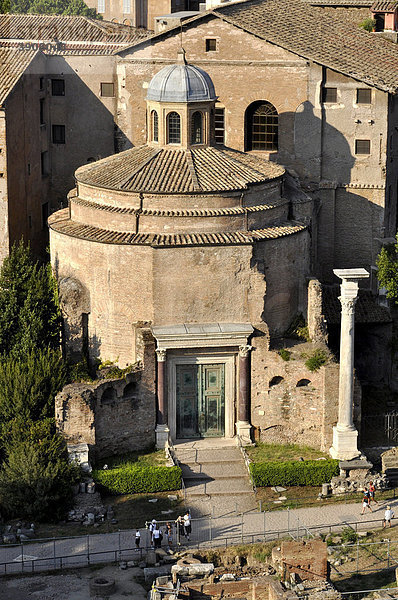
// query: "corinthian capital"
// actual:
[[348, 305], [244, 351], [161, 354]]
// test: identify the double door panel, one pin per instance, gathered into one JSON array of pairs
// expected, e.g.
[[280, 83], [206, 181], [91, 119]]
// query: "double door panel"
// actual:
[[200, 400]]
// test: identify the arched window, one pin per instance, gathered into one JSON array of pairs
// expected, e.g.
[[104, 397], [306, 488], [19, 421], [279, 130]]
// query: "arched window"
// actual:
[[261, 126], [196, 128], [173, 128], [155, 126]]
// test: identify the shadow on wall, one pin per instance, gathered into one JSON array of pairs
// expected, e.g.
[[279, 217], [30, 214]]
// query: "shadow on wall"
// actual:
[[90, 128]]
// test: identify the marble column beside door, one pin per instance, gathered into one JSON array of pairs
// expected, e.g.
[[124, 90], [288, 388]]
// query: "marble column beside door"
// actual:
[[243, 427], [345, 435], [162, 429]]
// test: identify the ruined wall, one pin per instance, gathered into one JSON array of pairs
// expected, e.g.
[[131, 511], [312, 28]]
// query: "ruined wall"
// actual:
[[112, 416]]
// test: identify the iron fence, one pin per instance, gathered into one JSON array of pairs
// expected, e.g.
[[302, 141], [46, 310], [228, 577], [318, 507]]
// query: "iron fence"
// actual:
[[59, 553]]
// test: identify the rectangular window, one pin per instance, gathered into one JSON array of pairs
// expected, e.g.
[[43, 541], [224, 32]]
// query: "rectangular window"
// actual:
[[126, 7], [101, 6], [329, 95], [364, 96], [44, 215], [107, 90], [211, 45], [57, 87], [219, 125], [58, 134], [42, 111], [41, 83], [362, 146], [44, 164]]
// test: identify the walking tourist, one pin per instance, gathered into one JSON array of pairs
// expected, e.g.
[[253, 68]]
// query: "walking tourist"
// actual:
[[388, 515], [152, 526], [157, 537], [169, 534], [137, 539], [180, 528], [187, 525], [372, 490], [366, 501]]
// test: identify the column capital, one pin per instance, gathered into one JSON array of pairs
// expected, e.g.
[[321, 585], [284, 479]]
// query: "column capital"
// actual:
[[244, 351], [161, 354], [348, 304]]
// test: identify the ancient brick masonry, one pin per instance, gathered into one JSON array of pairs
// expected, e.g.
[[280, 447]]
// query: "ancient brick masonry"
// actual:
[[112, 416]]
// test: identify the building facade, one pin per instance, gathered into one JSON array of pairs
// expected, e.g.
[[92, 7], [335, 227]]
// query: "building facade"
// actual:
[[190, 232]]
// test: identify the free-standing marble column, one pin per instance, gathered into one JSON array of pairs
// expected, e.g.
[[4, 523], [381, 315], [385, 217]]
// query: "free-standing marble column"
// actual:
[[243, 427], [345, 436], [162, 429]]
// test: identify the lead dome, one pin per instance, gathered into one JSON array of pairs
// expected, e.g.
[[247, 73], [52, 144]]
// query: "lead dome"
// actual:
[[181, 83]]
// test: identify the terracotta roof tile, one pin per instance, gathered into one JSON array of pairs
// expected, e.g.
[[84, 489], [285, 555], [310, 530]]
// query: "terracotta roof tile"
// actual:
[[366, 309], [197, 212], [384, 6], [13, 63], [177, 170], [62, 224], [325, 40], [68, 34]]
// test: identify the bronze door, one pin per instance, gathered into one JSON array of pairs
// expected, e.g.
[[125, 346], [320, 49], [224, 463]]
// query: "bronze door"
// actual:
[[200, 401]]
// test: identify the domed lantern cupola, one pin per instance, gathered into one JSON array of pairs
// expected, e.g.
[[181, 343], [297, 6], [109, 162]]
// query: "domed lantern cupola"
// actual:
[[180, 105]]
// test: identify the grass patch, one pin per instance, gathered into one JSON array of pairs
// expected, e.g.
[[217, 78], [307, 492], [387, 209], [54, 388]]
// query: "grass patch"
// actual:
[[151, 458], [274, 452], [284, 354], [260, 552]]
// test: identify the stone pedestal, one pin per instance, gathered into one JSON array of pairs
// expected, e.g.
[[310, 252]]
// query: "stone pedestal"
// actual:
[[345, 443], [345, 436], [243, 427], [162, 436]]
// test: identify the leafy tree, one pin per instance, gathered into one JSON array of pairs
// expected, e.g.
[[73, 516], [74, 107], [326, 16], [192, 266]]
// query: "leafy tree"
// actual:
[[52, 7], [5, 6], [28, 386], [387, 273], [36, 478], [29, 308]]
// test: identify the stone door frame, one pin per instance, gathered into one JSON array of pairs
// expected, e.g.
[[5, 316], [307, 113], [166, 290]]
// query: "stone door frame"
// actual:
[[229, 360]]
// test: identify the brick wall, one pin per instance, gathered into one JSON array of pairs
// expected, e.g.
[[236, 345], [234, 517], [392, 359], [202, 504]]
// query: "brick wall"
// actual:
[[112, 416]]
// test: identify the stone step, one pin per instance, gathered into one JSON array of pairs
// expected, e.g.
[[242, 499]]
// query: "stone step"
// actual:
[[213, 471], [219, 488], [217, 455]]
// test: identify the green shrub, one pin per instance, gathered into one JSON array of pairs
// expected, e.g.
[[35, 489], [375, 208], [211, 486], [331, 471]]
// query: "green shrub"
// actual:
[[307, 472], [316, 360], [132, 479], [368, 24], [284, 354], [298, 329], [348, 535]]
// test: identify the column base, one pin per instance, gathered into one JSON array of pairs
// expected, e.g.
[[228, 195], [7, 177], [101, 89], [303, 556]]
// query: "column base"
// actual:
[[243, 430], [162, 436], [345, 444]]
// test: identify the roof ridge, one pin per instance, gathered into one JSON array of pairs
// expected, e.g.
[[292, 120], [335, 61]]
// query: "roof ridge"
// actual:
[[190, 158]]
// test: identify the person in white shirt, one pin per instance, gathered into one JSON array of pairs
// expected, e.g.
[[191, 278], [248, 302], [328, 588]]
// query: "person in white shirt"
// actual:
[[137, 539], [388, 515], [187, 525]]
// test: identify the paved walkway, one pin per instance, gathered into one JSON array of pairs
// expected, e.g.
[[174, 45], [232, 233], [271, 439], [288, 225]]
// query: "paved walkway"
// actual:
[[223, 530]]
